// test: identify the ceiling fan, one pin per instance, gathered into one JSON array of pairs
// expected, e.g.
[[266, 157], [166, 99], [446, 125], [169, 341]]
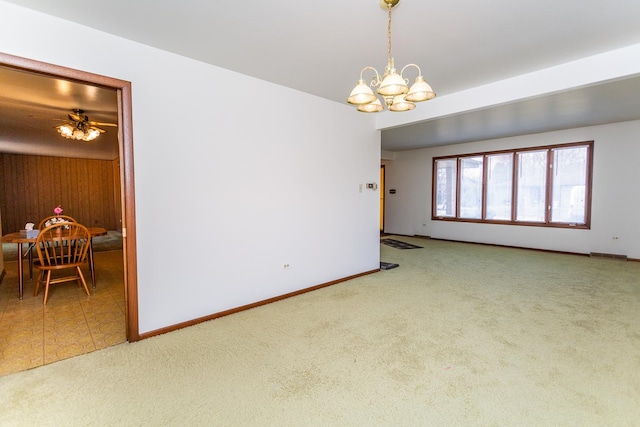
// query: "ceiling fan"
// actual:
[[81, 128]]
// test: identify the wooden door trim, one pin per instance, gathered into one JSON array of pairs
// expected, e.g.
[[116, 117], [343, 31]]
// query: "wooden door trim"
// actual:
[[125, 142], [383, 188]]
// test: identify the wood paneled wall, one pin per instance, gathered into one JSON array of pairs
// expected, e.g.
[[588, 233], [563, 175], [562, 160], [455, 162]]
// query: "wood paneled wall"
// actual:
[[32, 186]]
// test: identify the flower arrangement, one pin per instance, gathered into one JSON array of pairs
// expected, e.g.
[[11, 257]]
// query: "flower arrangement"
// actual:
[[55, 220]]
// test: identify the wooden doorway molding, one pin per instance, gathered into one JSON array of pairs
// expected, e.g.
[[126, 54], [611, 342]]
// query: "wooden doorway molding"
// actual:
[[382, 187], [125, 142]]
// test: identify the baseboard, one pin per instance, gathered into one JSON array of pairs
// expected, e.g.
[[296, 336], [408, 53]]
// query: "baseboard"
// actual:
[[592, 254], [608, 256], [512, 247], [418, 236], [249, 306]]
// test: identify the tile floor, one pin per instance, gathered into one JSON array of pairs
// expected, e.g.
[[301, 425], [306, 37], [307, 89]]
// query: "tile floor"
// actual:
[[72, 323]]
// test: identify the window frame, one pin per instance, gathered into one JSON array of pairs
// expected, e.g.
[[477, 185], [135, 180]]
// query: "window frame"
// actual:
[[548, 196]]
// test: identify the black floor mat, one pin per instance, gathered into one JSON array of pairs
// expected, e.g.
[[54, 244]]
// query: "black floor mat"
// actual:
[[387, 265], [398, 244]]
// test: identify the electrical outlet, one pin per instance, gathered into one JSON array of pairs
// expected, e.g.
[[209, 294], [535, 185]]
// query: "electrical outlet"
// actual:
[[287, 266]]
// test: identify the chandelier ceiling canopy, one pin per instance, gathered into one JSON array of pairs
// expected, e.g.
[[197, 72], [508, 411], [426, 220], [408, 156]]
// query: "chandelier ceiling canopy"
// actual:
[[392, 87]]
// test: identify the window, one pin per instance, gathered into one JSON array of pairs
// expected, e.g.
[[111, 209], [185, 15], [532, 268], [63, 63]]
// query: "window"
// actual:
[[471, 187], [499, 186], [532, 186], [445, 205], [569, 185], [547, 186]]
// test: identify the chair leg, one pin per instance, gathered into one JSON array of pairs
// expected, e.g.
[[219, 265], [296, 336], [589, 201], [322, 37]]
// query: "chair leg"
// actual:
[[31, 261], [40, 279], [84, 282], [46, 287]]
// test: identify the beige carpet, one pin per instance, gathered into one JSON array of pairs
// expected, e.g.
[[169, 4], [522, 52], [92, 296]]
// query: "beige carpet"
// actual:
[[458, 334]]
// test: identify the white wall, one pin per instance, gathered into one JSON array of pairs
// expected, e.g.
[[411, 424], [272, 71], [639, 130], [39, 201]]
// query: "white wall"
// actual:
[[227, 190], [615, 194]]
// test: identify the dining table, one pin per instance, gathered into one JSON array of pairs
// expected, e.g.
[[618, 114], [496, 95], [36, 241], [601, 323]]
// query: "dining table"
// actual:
[[20, 239]]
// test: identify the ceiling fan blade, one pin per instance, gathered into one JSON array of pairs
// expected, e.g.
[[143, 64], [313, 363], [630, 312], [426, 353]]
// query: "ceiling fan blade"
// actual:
[[47, 118], [103, 124], [78, 120]]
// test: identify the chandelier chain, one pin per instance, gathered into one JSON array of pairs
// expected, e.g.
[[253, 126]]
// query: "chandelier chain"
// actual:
[[389, 37]]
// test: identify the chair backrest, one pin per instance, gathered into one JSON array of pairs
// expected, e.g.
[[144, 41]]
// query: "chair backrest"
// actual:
[[50, 220], [61, 245]]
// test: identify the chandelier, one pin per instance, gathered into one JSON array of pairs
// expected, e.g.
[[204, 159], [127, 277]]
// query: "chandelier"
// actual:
[[392, 87]]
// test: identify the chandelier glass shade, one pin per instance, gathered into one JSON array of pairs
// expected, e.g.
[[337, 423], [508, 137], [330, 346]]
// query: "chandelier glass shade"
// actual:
[[392, 87]]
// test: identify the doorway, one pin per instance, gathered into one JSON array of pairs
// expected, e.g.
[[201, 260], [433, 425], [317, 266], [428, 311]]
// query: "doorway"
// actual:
[[126, 175]]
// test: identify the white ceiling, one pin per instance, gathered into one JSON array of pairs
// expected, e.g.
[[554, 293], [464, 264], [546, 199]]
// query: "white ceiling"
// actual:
[[320, 48]]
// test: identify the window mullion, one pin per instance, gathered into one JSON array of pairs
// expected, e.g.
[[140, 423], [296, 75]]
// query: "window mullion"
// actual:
[[458, 179], [549, 187], [485, 172], [516, 177]]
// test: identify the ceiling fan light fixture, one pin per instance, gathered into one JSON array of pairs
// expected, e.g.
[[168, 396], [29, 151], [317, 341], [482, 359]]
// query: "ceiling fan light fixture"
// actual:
[[392, 86], [66, 131], [77, 129], [77, 133], [93, 134]]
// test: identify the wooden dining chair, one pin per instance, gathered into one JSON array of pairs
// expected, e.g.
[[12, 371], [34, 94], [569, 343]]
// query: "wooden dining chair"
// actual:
[[42, 225], [64, 218], [61, 246]]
